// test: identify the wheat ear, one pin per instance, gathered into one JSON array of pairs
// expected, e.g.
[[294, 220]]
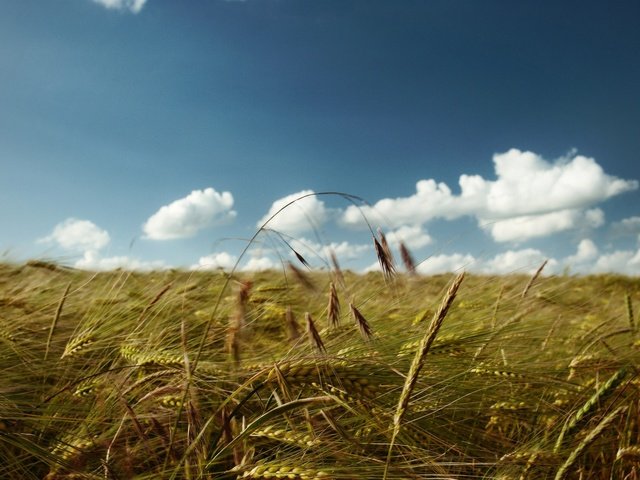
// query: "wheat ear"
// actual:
[[418, 362]]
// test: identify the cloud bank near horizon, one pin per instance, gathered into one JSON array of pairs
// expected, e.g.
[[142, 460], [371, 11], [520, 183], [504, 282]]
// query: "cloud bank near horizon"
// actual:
[[530, 198]]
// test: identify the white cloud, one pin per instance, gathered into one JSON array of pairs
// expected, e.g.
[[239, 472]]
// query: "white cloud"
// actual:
[[304, 214], [78, 235], [94, 262], [522, 228], [446, 263], [528, 184], [431, 200], [541, 197], [134, 6], [586, 252], [413, 236], [216, 261], [527, 260], [258, 264], [183, 218], [622, 261], [343, 250], [627, 226]]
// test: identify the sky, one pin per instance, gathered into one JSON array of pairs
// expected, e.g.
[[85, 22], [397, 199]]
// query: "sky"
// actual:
[[485, 136]]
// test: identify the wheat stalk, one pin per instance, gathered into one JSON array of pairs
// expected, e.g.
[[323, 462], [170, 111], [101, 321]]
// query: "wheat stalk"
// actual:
[[533, 279], [314, 336]]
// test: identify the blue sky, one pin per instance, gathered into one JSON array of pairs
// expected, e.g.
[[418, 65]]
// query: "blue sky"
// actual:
[[485, 135]]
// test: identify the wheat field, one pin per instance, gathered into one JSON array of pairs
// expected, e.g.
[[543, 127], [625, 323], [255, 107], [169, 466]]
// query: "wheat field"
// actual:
[[299, 374]]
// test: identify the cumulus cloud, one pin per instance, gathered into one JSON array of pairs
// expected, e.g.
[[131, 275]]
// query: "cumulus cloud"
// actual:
[[183, 218], [258, 264], [93, 261], [86, 238], [431, 200], [446, 263], [627, 226], [216, 261], [413, 236], [525, 227], [78, 235], [528, 184], [133, 6], [512, 261], [621, 261], [586, 252], [304, 214], [538, 197], [527, 260]]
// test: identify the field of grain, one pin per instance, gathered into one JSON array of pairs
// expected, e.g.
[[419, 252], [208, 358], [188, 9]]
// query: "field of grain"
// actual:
[[306, 375]]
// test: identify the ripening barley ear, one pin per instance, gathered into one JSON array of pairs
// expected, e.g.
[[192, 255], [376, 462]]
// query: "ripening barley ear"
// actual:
[[292, 325], [361, 322], [407, 259], [385, 245], [301, 259], [314, 336], [384, 257], [333, 309], [301, 276], [336, 269]]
